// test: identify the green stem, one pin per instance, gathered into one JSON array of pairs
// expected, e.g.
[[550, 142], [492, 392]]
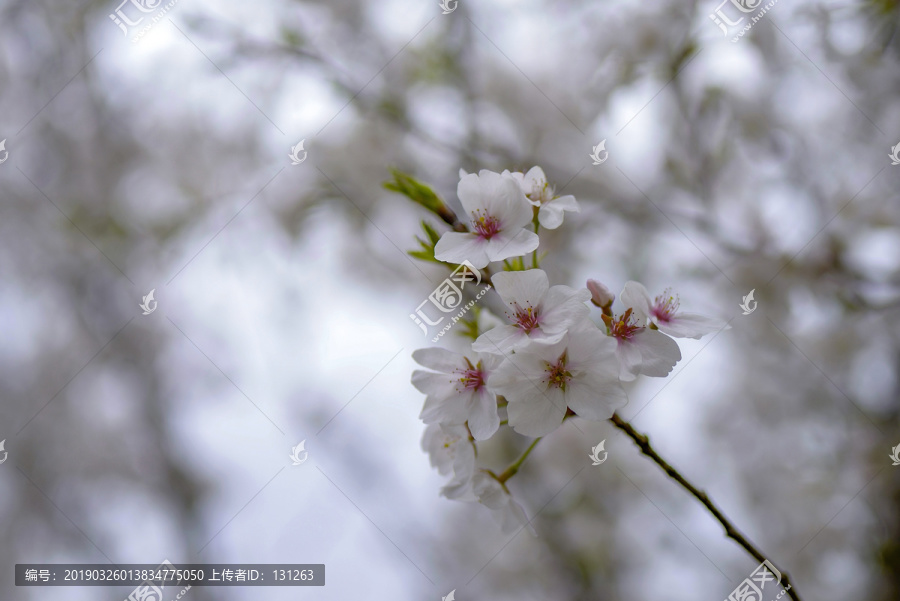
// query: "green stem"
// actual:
[[512, 469], [534, 255]]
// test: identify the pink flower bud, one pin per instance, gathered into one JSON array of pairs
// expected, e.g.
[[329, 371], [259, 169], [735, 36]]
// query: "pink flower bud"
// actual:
[[600, 294]]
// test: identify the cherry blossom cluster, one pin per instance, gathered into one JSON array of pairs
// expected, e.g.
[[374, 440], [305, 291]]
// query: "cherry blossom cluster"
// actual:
[[546, 360]]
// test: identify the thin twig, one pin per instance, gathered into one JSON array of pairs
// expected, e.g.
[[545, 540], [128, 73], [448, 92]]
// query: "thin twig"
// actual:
[[643, 442], [512, 469]]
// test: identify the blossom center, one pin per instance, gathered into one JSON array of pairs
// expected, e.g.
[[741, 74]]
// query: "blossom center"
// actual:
[[622, 327], [485, 225], [541, 191], [472, 379], [527, 318], [557, 376], [665, 306], [450, 444]]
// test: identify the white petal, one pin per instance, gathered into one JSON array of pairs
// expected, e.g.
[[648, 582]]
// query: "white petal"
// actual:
[[543, 351], [539, 335], [439, 359], [509, 243], [635, 296], [524, 185], [519, 376], [566, 203], [595, 396], [457, 488], [473, 193], [482, 415], [509, 204], [490, 494], [499, 340], [489, 363], [441, 386], [659, 353], [563, 307], [500, 196], [432, 443], [539, 414], [550, 217], [464, 456], [463, 470], [591, 349], [690, 325], [521, 287], [629, 356], [489, 491], [449, 410], [456, 247], [552, 212], [535, 175]]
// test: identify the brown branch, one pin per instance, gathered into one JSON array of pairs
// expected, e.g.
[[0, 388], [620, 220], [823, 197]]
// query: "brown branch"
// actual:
[[643, 442]]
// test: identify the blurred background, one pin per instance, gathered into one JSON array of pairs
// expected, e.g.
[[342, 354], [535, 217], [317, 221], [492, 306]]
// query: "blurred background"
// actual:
[[157, 158]]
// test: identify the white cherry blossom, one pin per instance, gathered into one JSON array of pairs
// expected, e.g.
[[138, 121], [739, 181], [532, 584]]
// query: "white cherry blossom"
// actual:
[[663, 311], [498, 214], [541, 380], [491, 494], [536, 310], [457, 391], [451, 452], [541, 194], [639, 349]]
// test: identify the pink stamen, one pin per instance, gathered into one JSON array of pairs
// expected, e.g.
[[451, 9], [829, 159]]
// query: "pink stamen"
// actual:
[[665, 306], [485, 225], [527, 318], [622, 327], [557, 376], [471, 379]]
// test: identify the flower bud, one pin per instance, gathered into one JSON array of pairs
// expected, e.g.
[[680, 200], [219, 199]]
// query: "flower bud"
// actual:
[[600, 294]]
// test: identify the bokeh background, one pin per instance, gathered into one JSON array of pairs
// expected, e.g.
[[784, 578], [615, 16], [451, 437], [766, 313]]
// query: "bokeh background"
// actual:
[[284, 290]]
